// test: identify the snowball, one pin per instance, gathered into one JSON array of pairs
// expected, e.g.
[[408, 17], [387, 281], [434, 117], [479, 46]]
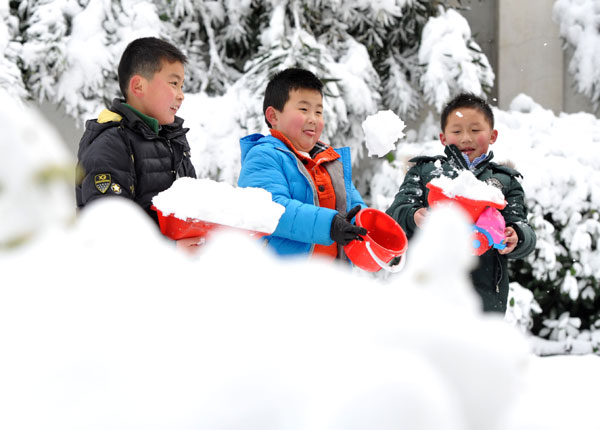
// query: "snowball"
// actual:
[[467, 185], [382, 131], [220, 203], [523, 103]]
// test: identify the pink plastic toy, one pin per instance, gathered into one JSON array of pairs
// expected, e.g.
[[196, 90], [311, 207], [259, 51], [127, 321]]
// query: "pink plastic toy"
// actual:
[[489, 231]]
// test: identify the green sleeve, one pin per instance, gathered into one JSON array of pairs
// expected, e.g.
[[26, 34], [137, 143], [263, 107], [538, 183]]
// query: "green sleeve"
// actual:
[[515, 215], [410, 198]]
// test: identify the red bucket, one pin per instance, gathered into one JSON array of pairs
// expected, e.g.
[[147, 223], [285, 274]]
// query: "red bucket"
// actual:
[[384, 240], [176, 228], [474, 208]]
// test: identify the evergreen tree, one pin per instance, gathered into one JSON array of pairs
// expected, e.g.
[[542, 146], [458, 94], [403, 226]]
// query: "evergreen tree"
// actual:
[[43, 33], [579, 29], [11, 79], [70, 50]]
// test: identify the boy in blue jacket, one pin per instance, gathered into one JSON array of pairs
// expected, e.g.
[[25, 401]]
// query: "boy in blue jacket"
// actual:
[[309, 178]]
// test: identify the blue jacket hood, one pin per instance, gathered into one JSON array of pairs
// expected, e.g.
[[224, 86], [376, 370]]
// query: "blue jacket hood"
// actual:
[[250, 141]]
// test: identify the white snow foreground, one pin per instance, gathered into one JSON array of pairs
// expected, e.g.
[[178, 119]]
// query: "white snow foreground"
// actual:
[[36, 187], [135, 335]]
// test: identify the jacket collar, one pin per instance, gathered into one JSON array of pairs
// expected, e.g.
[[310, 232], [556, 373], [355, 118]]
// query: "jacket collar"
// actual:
[[456, 158], [320, 152], [150, 122], [145, 123]]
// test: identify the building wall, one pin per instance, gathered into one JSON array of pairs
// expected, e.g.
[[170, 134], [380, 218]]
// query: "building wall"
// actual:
[[64, 124], [523, 45], [530, 56]]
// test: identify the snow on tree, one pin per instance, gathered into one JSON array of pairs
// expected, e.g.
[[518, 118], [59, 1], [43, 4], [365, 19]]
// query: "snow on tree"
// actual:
[[366, 52], [453, 61], [578, 20], [70, 50], [11, 79]]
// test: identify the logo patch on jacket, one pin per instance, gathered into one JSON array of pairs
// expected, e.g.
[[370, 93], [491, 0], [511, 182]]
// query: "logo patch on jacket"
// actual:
[[494, 182], [116, 188], [102, 182]]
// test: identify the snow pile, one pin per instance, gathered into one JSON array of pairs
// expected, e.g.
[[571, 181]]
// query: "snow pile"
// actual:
[[220, 203], [199, 343], [382, 131], [468, 186], [36, 174]]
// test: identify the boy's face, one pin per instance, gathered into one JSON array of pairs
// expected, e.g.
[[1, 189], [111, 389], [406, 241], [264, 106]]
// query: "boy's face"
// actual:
[[301, 119], [468, 129], [161, 96]]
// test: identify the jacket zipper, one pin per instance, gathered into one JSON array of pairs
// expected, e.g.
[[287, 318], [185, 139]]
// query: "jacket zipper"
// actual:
[[500, 267], [173, 171]]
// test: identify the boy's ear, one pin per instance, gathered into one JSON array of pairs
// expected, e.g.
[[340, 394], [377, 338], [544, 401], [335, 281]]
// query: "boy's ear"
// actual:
[[137, 86], [493, 136], [271, 115], [443, 139]]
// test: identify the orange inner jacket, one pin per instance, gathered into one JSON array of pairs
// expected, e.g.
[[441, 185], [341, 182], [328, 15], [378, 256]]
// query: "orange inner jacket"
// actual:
[[321, 180]]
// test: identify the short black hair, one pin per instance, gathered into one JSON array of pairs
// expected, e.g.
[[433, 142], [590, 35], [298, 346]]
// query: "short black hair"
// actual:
[[467, 100], [144, 57], [282, 83]]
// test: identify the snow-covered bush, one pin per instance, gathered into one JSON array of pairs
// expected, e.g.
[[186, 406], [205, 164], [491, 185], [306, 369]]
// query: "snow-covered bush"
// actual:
[[521, 307]]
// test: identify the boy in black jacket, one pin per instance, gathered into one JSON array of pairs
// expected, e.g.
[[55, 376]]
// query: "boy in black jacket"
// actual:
[[467, 132], [137, 148]]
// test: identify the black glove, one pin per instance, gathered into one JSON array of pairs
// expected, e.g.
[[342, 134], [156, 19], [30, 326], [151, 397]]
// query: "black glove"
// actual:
[[343, 231]]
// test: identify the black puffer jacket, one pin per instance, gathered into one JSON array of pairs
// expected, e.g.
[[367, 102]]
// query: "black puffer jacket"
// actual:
[[120, 154]]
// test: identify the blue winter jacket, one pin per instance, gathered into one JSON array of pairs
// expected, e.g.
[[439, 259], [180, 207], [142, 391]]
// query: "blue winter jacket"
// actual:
[[268, 163]]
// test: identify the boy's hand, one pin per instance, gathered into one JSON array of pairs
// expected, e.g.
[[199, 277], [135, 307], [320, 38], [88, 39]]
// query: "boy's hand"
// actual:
[[189, 245], [420, 216], [511, 240], [342, 229]]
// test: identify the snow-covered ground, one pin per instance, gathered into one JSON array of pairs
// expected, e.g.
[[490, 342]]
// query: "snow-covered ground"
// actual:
[[104, 324], [557, 394]]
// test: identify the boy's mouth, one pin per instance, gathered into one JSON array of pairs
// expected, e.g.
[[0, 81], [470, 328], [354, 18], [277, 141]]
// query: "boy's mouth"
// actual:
[[174, 109], [311, 133]]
